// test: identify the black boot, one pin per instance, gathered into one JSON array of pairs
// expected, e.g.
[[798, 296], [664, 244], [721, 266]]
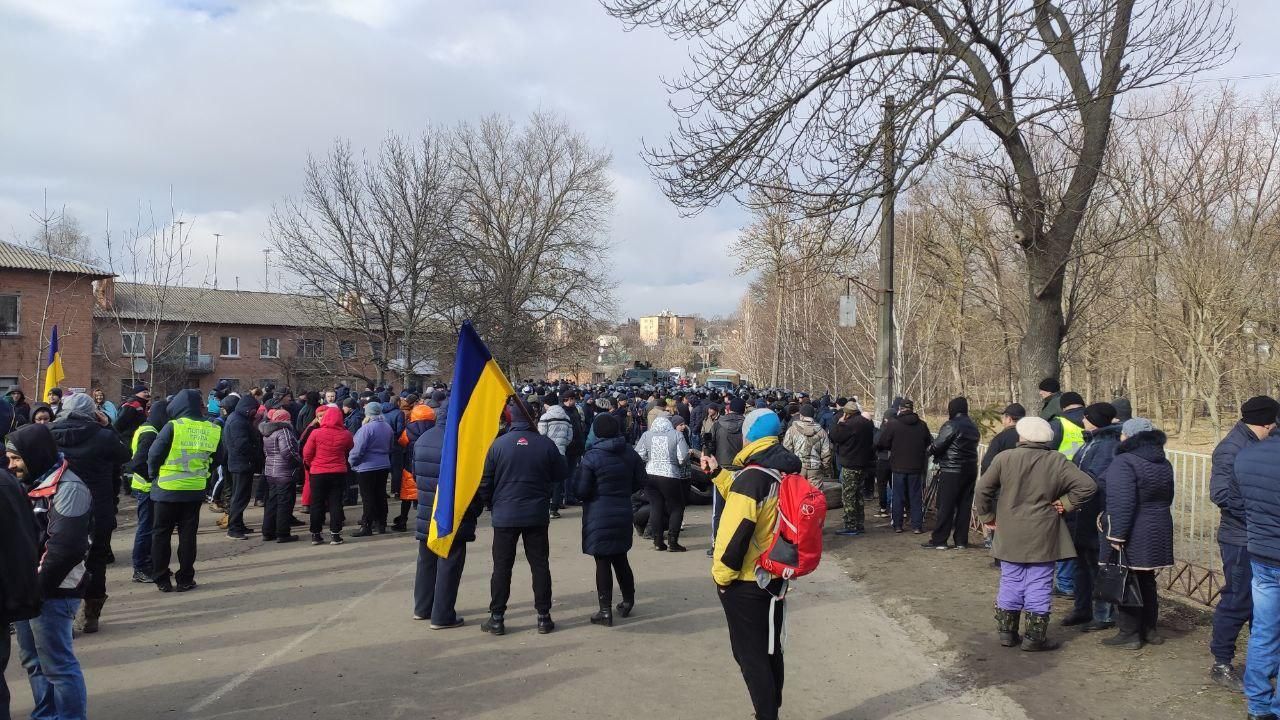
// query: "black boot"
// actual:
[[1077, 617], [674, 542], [625, 607], [364, 531], [1007, 627], [495, 625], [658, 543], [1125, 640], [545, 625], [605, 616], [1036, 638]]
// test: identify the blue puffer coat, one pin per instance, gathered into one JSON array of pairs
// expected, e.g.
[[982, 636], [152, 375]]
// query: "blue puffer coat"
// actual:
[[1223, 487], [372, 448], [606, 478], [519, 472], [427, 451], [1139, 491], [1094, 458], [1257, 473]]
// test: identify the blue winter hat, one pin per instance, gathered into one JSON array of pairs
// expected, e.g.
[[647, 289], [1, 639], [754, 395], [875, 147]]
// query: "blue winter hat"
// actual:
[[1133, 426], [761, 423]]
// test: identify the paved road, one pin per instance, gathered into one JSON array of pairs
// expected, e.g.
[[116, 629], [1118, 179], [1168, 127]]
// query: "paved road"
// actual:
[[295, 631]]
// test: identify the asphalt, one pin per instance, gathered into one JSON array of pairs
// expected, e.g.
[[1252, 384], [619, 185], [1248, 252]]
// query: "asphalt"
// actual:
[[296, 631]]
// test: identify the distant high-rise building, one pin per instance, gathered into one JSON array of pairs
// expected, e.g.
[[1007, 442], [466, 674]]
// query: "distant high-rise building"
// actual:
[[666, 325]]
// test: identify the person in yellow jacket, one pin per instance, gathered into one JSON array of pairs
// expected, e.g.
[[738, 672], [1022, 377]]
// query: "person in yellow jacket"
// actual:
[[753, 600]]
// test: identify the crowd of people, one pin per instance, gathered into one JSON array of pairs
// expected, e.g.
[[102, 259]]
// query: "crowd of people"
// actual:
[[1064, 497]]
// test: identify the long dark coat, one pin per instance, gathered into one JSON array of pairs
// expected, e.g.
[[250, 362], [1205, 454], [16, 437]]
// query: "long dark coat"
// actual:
[[606, 478], [1139, 495]]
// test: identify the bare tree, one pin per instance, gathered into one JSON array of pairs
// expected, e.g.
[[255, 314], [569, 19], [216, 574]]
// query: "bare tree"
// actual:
[[785, 95], [530, 237]]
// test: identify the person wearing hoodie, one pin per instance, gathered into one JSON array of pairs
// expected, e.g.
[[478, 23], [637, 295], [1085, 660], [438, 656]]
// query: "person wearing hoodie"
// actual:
[[325, 456], [666, 456], [280, 446], [809, 442], [754, 604], [140, 484], [243, 445], [1101, 436], [438, 579], [907, 438], [558, 427], [853, 437], [307, 412], [421, 419], [609, 474], [62, 506], [956, 453], [520, 470], [370, 457], [96, 454], [41, 413], [19, 565], [180, 461], [21, 408]]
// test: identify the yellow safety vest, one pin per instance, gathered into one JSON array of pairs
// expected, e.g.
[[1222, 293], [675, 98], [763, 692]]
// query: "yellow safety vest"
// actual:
[[138, 482], [190, 455], [1072, 438]]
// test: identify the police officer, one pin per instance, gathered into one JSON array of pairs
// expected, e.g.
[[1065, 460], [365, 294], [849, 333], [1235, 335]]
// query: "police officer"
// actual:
[[180, 459]]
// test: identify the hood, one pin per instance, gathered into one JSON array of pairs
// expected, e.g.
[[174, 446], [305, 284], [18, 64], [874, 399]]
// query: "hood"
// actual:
[[228, 403], [21, 396], [421, 412], [805, 426], [332, 418], [908, 418], [662, 425], [1148, 445], [1110, 431], [613, 445], [36, 446], [186, 404], [158, 415], [958, 406], [38, 406], [79, 404], [555, 412], [520, 425], [248, 407], [267, 428], [732, 421]]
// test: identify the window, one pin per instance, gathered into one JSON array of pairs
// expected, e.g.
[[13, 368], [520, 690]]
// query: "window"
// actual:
[[270, 348], [229, 347], [193, 346], [346, 349], [273, 382], [134, 344], [375, 347], [233, 384], [311, 347], [8, 314]]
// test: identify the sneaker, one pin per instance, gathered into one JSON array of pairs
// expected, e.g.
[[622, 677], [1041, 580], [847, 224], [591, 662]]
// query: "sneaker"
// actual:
[[184, 587], [897, 531], [917, 531], [362, 532], [931, 546], [164, 584], [335, 539], [235, 535], [449, 626], [959, 547], [848, 532], [268, 538], [140, 576], [555, 514], [1225, 675], [494, 625], [882, 514], [317, 539]]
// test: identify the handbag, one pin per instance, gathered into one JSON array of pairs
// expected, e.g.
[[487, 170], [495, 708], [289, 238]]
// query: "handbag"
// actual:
[[1117, 585]]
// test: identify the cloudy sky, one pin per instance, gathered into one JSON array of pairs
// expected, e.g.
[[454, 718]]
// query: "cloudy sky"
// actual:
[[211, 106]]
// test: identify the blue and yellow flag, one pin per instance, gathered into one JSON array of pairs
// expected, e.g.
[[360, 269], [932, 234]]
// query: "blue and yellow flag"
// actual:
[[53, 373], [476, 398]]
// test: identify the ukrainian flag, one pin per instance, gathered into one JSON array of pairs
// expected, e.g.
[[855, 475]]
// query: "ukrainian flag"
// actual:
[[53, 373], [479, 393]]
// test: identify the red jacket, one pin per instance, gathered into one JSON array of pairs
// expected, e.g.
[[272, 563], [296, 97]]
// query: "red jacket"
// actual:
[[327, 446]]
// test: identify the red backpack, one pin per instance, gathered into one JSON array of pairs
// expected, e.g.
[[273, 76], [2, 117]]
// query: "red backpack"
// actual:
[[796, 548]]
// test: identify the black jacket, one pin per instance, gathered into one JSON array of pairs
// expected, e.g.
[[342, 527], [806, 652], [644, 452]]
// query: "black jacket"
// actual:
[[95, 454], [519, 472], [156, 418], [907, 439], [854, 440], [956, 447], [610, 472], [241, 439], [19, 555], [1094, 458], [1224, 489], [728, 438], [1006, 439], [428, 450], [130, 418]]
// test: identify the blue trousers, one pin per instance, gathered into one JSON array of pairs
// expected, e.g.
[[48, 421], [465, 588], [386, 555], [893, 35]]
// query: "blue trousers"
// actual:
[[1065, 576], [907, 486], [1264, 642], [1235, 603], [142, 535], [44, 645], [436, 583]]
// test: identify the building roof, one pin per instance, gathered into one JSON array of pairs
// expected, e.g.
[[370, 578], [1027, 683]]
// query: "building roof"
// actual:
[[134, 301], [17, 257]]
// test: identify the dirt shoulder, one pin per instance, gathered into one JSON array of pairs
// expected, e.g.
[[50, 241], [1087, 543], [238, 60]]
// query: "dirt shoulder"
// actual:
[[946, 598]]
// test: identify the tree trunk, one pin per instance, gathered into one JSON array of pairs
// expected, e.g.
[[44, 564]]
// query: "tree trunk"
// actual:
[[1038, 355]]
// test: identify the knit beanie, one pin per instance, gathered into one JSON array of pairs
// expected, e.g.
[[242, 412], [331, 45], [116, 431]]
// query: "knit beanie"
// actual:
[[1035, 430], [760, 423], [373, 409], [1133, 426], [1071, 398], [807, 410], [1100, 414], [606, 426], [1050, 385], [958, 406], [278, 415], [738, 405], [1124, 408], [1260, 410]]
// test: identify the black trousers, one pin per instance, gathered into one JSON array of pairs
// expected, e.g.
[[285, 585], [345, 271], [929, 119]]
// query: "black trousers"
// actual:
[[373, 496], [1086, 577], [955, 505], [278, 514], [326, 495], [436, 583], [747, 608], [607, 566], [185, 516], [397, 468], [884, 473], [95, 562], [1141, 620], [666, 505], [537, 550], [241, 492]]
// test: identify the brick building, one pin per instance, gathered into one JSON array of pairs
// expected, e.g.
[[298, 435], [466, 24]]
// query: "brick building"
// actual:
[[37, 291]]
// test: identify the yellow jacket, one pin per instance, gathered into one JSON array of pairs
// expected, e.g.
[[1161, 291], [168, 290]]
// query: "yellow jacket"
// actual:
[[750, 509]]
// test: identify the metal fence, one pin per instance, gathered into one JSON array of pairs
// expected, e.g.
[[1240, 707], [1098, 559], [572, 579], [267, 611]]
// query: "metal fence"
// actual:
[[1197, 571]]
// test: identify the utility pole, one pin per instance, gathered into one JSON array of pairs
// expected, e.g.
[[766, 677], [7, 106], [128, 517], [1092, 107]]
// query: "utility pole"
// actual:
[[885, 385], [266, 268], [217, 242]]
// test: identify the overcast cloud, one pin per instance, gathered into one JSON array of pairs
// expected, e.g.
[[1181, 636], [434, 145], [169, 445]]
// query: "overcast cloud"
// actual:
[[110, 105]]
